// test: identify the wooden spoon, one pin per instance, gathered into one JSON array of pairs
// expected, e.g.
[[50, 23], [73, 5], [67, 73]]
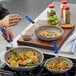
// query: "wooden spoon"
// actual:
[[67, 26]]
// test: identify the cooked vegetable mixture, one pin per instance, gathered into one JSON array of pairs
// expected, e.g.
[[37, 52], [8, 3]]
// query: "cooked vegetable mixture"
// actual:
[[45, 33], [23, 59], [53, 20], [58, 66]]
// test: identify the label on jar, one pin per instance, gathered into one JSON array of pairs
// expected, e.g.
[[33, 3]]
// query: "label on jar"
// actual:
[[66, 16]]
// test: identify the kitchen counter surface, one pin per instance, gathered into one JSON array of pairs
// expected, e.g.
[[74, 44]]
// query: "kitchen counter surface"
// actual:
[[43, 16]]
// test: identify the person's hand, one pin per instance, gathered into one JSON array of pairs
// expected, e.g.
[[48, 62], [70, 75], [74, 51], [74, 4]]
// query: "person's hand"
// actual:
[[11, 20], [9, 34]]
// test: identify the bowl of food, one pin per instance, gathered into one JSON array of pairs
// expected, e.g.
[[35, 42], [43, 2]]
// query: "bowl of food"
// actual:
[[53, 20], [23, 58], [26, 37], [58, 64], [48, 33]]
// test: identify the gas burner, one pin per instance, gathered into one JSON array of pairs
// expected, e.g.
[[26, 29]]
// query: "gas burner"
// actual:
[[39, 71]]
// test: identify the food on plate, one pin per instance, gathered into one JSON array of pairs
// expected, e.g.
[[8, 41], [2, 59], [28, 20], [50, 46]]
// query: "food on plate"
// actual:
[[53, 20], [45, 33], [23, 59], [58, 66], [26, 37], [67, 26]]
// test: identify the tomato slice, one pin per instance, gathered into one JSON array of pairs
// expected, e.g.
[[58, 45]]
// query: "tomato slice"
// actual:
[[59, 61], [50, 66]]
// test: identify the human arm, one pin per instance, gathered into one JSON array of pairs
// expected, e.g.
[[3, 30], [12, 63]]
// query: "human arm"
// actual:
[[7, 19]]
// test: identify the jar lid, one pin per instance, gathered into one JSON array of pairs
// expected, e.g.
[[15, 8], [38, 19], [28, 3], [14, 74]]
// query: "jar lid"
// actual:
[[66, 8], [64, 2], [51, 6]]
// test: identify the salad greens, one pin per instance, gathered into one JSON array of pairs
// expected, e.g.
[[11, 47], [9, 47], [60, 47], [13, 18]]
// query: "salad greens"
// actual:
[[53, 20]]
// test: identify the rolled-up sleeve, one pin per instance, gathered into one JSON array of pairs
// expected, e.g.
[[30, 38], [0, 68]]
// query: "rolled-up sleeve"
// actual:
[[3, 12]]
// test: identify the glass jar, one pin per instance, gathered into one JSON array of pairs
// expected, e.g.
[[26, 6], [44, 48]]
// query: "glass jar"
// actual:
[[66, 15], [51, 11], [63, 4]]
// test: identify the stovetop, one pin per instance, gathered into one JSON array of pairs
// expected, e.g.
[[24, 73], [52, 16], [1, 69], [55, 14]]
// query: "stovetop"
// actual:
[[39, 71]]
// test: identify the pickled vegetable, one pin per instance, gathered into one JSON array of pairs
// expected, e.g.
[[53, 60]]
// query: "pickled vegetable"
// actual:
[[51, 13]]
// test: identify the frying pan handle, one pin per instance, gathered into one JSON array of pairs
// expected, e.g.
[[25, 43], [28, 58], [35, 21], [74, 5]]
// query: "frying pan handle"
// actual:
[[55, 47], [4, 32], [29, 19]]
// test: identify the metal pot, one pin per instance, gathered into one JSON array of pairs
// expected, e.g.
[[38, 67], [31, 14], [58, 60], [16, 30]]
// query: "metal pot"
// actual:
[[54, 29], [55, 59], [23, 50]]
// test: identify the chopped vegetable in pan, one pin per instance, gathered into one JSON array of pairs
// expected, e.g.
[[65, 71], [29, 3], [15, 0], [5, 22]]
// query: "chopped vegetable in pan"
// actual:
[[45, 33], [58, 66], [24, 59]]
